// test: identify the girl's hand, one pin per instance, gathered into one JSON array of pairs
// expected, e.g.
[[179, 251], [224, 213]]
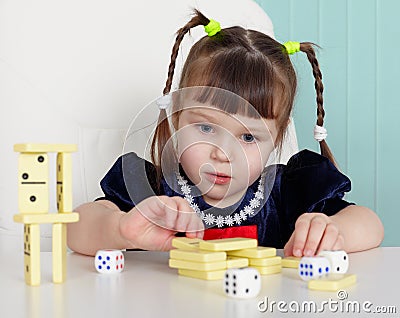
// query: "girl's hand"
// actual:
[[153, 223], [313, 233]]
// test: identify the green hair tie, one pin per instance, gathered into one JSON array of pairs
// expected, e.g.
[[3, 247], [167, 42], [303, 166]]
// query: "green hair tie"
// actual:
[[292, 47], [212, 28]]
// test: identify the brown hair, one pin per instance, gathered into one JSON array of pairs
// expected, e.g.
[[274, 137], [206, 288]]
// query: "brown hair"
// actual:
[[247, 63]]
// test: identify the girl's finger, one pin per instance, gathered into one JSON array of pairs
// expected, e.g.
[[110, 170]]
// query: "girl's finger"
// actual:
[[315, 233], [329, 238], [300, 235], [186, 217], [339, 244], [170, 210], [288, 248], [195, 227]]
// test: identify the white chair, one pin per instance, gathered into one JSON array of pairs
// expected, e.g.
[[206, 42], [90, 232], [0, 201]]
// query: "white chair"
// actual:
[[78, 71]]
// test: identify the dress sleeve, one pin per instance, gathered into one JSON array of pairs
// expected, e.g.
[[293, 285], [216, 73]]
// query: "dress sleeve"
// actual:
[[311, 183], [130, 180]]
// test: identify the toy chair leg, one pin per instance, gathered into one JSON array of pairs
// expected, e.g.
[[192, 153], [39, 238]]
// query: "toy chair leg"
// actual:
[[32, 254], [59, 252]]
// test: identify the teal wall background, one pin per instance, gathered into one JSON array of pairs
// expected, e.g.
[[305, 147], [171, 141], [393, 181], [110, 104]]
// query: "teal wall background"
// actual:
[[360, 64]]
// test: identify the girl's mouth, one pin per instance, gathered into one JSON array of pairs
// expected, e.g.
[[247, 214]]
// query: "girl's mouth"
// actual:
[[218, 178]]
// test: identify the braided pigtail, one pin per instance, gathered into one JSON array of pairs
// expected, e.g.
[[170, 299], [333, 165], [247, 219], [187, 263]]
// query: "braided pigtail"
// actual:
[[163, 132], [307, 48]]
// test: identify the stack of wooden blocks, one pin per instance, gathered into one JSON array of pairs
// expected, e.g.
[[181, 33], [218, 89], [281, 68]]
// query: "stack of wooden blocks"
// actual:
[[33, 199], [210, 259]]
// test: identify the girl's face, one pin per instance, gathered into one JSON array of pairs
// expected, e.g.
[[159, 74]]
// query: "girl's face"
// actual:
[[223, 153]]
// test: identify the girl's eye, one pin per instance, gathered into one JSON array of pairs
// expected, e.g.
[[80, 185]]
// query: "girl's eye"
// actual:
[[206, 128], [248, 138]]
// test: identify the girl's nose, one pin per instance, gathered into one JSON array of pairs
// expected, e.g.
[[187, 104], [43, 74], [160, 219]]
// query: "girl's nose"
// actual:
[[218, 153]]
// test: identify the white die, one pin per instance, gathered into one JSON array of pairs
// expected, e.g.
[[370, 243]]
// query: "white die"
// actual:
[[242, 282], [339, 260], [109, 261], [313, 267]]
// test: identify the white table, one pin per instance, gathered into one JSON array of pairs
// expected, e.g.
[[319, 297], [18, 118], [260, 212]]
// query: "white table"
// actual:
[[149, 288]]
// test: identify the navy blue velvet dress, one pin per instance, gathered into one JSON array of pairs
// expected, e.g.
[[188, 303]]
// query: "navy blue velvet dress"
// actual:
[[309, 182]]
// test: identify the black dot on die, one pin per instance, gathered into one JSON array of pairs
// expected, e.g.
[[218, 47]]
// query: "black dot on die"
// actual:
[[247, 290], [344, 257], [40, 158], [234, 292], [234, 284], [234, 276], [25, 176], [255, 276], [226, 283], [338, 268], [227, 275], [32, 198]]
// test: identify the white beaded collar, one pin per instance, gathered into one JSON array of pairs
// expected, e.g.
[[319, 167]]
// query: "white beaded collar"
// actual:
[[231, 219]]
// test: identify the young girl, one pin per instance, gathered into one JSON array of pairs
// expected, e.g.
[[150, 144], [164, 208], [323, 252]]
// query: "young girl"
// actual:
[[208, 177]]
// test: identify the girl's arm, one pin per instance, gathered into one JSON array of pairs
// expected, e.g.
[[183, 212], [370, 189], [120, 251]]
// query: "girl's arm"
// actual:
[[151, 225], [360, 226], [353, 229], [97, 228]]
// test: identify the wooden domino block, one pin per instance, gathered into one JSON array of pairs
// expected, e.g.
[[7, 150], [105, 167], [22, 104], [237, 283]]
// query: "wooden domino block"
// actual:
[[186, 243], [236, 262], [256, 252], [228, 244], [210, 275], [35, 148], [197, 255], [267, 261], [291, 262], [33, 183], [268, 270], [47, 218], [211, 266], [333, 282], [59, 252], [32, 254], [64, 182]]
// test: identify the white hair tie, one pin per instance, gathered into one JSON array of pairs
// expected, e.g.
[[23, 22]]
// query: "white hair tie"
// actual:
[[320, 133], [164, 101]]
